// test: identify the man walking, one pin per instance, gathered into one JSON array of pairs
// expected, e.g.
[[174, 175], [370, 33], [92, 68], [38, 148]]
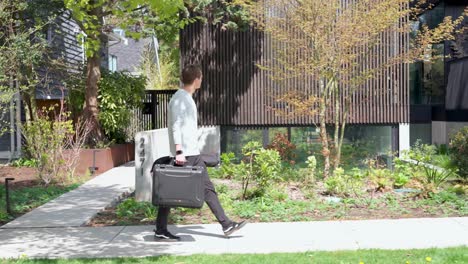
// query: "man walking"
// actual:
[[183, 141]]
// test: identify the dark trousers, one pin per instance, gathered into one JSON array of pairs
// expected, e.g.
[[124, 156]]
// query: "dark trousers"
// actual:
[[211, 198]]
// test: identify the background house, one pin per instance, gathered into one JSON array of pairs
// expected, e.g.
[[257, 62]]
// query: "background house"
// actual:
[[126, 54], [62, 36]]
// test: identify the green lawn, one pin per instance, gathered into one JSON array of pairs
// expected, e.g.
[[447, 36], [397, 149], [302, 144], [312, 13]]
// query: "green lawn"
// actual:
[[448, 255]]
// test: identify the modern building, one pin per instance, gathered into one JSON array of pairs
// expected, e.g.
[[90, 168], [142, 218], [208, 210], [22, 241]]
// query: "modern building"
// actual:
[[408, 102]]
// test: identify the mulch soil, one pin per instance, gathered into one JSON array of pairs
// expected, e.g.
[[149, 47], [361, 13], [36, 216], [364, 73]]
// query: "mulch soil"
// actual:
[[23, 176]]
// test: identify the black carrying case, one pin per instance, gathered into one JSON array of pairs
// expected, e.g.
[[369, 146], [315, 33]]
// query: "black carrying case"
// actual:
[[177, 186]]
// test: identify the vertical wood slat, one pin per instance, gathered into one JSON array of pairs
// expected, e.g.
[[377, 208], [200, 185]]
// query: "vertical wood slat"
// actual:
[[243, 99]]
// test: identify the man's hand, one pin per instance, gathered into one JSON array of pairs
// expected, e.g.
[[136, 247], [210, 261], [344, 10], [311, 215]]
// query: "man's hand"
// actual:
[[180, 159]]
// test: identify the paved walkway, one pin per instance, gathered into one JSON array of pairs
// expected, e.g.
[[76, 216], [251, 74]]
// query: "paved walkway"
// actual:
[[77, 207], [55, 231]]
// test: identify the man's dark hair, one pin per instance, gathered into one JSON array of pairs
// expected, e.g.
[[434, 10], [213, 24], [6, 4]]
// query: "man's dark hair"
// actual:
[[190, 73]]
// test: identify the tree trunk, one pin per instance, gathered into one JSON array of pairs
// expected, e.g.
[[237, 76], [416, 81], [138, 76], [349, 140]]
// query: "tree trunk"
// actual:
[[91, 110], [336, 139], [323, 129], [340, 145], [343, 127]]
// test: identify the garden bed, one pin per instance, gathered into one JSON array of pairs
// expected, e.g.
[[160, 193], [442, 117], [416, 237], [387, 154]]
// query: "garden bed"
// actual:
[[284, 203]]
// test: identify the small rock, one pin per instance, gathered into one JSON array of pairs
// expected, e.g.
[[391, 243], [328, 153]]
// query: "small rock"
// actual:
[[332, 199]]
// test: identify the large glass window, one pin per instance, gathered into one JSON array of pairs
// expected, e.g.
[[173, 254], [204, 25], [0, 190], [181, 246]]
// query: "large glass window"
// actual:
[[427, 78], [361, 142], [422, 132]]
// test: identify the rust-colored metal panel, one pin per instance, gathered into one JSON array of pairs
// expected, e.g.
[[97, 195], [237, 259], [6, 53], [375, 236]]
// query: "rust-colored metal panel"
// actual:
[[236, 92]]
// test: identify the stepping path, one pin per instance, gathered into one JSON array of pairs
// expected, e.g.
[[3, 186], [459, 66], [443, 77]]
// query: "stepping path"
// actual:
[[77, 207]]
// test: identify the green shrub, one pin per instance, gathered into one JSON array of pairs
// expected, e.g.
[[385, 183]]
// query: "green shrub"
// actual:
[[119, 94], [400, 180], [259, 165], [227, 169], [402, 173], [285, 148], [458, 150], [381, 179], [291, 173], [132, 208], [311, 169], [436, 169], [344, 185], [45, 142]]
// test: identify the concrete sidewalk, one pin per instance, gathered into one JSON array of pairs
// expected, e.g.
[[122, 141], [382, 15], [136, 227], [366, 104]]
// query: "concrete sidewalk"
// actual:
[[55, 230], [137, 241], [77, 207]]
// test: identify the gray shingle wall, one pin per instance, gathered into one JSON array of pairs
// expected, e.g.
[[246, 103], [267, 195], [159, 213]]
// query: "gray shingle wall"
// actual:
[[63, 38], [129, 57]]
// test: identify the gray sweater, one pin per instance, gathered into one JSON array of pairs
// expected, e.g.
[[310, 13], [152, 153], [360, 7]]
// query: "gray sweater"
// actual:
[[183, 123]]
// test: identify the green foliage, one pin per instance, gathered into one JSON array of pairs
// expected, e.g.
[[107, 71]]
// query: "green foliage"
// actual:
[[168, 78], [27, 198], [311, 169], [132, 208], [458, 149], [24, 162], [259, 165], [285, 148], [227, 168], [230, 15], [381, 179], [400, 180], [119, 94], [45, 139], [22, 50], [403, 172], [436, 169], [276, 193], [343, 184]]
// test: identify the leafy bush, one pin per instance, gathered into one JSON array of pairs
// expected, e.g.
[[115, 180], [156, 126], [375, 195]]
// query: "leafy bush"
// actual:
[[380, 179], [400, 180], [285, 148], [311, 169], [119, 94], [227, 170], [402, 174], [276, 193], [344, 185], [54, 144], [45, 137], [435, 169], [259, 165], [458, 149]]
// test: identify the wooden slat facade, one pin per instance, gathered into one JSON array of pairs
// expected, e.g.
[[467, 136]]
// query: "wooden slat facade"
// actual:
[[236, 92]]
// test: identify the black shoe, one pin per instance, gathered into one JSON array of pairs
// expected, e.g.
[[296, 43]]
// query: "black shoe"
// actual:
[[165, 236], [233, 227]]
